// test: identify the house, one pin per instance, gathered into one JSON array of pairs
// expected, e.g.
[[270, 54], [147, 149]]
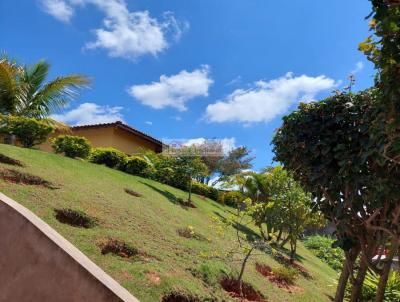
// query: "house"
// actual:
[[117, 135]]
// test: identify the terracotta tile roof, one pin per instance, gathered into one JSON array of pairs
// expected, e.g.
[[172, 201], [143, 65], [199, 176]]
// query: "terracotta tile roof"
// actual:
[[125, 127]]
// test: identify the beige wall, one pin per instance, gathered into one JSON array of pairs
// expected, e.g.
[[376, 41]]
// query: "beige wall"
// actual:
[[37, 264], [129, 143], [108, 137]]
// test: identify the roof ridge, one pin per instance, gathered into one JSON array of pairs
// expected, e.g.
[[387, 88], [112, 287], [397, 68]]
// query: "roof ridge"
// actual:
[[122, 125]]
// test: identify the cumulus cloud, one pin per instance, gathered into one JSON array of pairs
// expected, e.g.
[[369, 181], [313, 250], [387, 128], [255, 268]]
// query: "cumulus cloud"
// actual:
[[59, 9], [90, 113], [175, 90], [267, 99], [126, 34]]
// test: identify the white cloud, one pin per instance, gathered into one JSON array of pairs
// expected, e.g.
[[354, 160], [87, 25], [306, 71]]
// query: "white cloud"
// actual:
[[175, 90], [59, 9], [90, 113], [267, 100], [148, 123], [234, 81], [358, 68], [228, 143], [177, 118], [126, 34]]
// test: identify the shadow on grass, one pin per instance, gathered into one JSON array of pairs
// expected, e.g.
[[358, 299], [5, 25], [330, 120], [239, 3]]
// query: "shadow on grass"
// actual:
[[286, 252], [250, 234], [171, 197]]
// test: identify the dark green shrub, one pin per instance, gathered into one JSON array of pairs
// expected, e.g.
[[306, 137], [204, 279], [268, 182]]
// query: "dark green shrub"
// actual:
[[110, 157], [213, 193], [231, 198], [136, 165], [321, 246], [285, 274], [72, 146], [205, 190], [28, 131]]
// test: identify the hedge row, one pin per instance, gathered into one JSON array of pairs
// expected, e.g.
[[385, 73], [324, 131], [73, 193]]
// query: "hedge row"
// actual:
[[162, 168]]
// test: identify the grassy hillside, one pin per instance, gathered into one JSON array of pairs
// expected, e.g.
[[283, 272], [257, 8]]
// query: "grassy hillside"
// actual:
[[149, 223]]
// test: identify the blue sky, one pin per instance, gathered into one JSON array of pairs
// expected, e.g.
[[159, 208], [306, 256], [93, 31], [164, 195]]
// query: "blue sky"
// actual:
[[193, 69]]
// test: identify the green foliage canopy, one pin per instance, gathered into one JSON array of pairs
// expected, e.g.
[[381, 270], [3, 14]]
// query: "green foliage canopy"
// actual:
[[28, 131], [329, 149], [72, 146]]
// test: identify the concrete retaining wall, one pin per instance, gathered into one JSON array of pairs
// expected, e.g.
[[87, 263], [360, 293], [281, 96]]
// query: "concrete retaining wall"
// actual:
[[38, 264]]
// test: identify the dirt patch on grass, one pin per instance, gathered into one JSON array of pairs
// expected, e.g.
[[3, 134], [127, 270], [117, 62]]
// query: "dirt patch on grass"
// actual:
[[124, 250], [17, 177], [133, 193], [282, 259], [231, 286], [75, 218], [4, 159], [189, 205], [119, 248], [153, 277], [179, 297], [267, 272]]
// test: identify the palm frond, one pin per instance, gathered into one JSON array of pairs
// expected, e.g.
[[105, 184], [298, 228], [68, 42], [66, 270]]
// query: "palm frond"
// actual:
[[34, 76], [55, 95], [10, 92]]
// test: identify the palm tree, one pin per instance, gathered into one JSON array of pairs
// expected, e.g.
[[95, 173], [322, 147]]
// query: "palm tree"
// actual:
[[24, 92]]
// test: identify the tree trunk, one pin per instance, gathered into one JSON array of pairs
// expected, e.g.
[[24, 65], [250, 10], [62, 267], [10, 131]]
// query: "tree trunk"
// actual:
[[240, 278], [266, 237], [284, 241], [380, 292], [278, 238], [293, 248], [190, 191], [345, 274], [356, 291]]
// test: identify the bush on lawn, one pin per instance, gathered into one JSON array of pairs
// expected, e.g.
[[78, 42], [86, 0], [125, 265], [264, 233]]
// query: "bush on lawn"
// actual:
[[110, 157], [231, 198], [28, 131], [205, 190], [136, 165], [321, 246], [72, 146]]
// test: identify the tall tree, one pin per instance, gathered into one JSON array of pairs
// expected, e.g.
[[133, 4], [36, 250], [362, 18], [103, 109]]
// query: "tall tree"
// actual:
[[211, 153], [329, 148], [235, 162]]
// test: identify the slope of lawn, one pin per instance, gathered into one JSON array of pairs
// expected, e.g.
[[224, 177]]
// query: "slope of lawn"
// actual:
[[148, 223]]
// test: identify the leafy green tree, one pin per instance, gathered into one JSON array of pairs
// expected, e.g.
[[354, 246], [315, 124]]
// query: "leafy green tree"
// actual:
[[235, 162], [383, 49], [280, 206], [329, 148], [187, 166], [211, 154], [25, 92]]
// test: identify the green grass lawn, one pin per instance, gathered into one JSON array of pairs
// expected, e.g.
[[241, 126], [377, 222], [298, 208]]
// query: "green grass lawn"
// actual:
[[148, 223]]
